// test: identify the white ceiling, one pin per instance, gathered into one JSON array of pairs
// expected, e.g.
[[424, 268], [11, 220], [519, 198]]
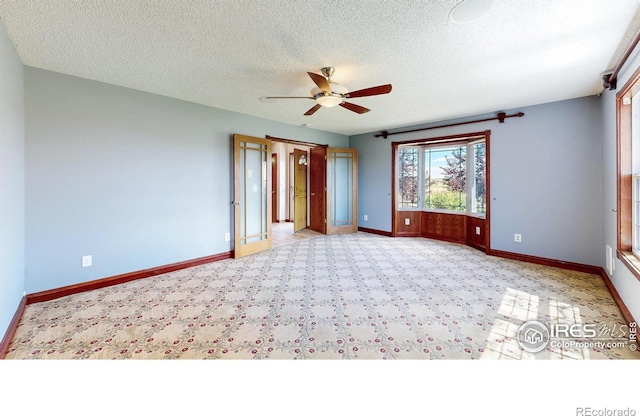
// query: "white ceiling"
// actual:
[[229, 53]]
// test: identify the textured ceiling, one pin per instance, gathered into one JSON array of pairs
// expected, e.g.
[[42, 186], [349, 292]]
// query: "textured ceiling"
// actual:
[[229, 53]]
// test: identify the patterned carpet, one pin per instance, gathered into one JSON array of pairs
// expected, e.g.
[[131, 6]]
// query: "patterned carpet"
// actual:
[[358, 296]]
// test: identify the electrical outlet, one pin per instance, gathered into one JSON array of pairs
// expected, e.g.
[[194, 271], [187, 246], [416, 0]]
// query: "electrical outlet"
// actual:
[[227, 236], [407, 222], [478, 230], [87, 261], [366, 217], [517, 238]]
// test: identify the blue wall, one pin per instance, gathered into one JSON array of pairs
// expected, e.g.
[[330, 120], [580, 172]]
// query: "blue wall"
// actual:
[[11, 180], [546, 179], [134, 179]]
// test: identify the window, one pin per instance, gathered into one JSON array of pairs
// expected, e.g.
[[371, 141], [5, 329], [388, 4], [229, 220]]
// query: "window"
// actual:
[[408, 177], [478, 169], [628, 192], [443, 177]]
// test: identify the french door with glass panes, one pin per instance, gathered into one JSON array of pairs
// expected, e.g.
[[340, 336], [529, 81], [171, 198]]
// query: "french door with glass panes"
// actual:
[[252, 195]]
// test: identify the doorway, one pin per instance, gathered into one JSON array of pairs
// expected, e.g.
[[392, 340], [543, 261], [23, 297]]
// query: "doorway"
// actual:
[[308, 190], [291, 168], [300, 178]]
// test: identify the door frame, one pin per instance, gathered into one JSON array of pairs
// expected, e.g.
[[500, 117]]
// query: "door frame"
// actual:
[[274, 187]]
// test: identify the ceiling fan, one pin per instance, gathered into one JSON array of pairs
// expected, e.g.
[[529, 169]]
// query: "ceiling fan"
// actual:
[[330, 94]]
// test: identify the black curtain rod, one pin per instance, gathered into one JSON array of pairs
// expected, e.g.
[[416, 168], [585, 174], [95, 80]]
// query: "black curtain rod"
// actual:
[[501, 117], [610, 80], [294, 142]]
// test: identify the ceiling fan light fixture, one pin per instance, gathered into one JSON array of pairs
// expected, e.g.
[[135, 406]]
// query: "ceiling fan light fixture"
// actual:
[[327, 99], [331, 100]]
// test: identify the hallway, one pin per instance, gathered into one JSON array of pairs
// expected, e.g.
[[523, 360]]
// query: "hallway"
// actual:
[[283, 234]]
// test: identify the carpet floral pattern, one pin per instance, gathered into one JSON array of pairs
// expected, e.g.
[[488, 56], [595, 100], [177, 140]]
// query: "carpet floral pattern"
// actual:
[[358, 296]]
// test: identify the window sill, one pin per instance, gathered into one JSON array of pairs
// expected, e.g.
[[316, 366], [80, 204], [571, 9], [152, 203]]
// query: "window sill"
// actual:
[[631, 262], [444, 211]]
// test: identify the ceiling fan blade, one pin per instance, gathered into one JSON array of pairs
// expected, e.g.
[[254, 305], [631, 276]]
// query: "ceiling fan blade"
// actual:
[[380, 89], [320, 81], [312, 110], [354, 107], [282, 98]]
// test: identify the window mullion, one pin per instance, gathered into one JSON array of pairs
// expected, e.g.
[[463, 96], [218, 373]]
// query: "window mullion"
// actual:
[[470, 177]]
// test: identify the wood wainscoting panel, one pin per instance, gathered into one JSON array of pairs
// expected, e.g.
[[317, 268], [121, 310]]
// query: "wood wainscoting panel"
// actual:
[[442, 226], [476, 232], [408, 230]]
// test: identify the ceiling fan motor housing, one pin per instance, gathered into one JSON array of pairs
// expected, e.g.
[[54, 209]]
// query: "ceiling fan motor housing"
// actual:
[[327, 71]]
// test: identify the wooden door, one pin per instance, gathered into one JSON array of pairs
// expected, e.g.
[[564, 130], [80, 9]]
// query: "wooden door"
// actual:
[[290, 188], [252, 195], [318, 189], [274, 187], [342, 191], [300, 162]]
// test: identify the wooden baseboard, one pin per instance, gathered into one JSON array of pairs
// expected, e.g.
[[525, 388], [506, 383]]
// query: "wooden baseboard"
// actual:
[[477, 246], [401, 234], [374, 231], [626, 314], [546, 262], [122, 278], [11, 330]]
